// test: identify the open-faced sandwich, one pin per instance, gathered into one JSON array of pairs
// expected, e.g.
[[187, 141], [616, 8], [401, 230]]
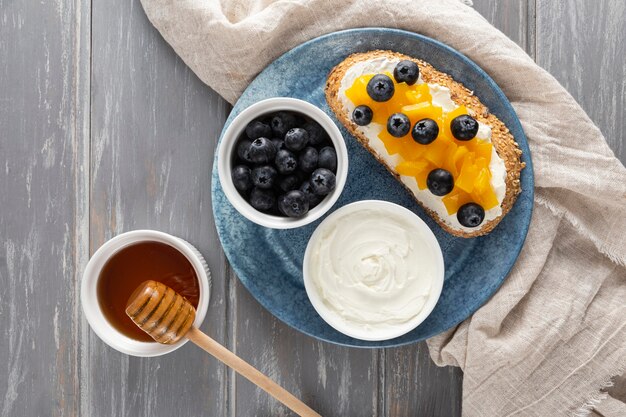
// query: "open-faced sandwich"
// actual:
[[459, 161]]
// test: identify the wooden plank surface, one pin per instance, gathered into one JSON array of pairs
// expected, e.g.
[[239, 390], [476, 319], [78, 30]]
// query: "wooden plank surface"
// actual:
[[103, 129], [587, 54], [154, 131], [42, 98]]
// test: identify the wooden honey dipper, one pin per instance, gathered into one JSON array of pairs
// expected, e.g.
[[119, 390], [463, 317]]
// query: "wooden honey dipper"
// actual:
[[167, 316]]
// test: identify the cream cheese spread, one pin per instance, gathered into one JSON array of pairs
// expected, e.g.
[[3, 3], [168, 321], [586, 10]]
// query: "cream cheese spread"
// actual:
[[440, 97], [373, 268]]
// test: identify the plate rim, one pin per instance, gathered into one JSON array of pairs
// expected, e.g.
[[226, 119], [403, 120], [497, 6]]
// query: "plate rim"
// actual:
[[529, 171]]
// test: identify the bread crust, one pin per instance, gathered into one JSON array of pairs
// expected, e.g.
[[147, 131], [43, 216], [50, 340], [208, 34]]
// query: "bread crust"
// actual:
[[502, 139]]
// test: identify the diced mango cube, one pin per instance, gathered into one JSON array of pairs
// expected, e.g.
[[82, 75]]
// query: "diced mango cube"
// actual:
[[400, 98], [423, 91], [357, 93], [421, 177], [483, 150], [480, 163], [412, 150], [448, 163], [455, 199], [437, 151], [469, 173], [483, 181], [414, 98], [483, 192], [411, 168], [381, 111], [488, 199], [392, 144], [458, 157], [419, 111], [419, 93]]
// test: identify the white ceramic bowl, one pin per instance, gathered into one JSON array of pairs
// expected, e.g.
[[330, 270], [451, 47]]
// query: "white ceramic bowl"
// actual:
[[89, 296], [228, 147], [390, 332]]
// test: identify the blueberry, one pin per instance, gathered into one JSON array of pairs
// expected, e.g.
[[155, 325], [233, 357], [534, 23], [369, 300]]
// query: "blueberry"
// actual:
[[278, 144], [464, 127], [257, 129], [362, 115], [296, 139], [440, 182], [470, 215], [264, 176], [406, 72], [242, 179], [322, 181], [425, 131], [380, 88], [243, 150], [294, 203], [262, 199], [308, 159], [302, 176], [328, 158], [317, 135], [262, 151], [285, 162], [288, 183], [300, 119], [313, 198], [282, 122], [398, 125]]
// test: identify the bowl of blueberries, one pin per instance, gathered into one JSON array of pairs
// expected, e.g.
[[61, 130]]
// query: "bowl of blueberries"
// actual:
[[282, 163]]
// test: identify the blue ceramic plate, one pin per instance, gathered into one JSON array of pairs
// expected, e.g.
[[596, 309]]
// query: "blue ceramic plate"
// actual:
[[269, 262]]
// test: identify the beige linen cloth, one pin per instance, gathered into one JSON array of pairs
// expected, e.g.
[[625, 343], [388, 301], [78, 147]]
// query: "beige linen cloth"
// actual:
[[555, 332]]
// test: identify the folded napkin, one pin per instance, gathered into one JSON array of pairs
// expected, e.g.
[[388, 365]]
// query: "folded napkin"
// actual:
[[555, 333]]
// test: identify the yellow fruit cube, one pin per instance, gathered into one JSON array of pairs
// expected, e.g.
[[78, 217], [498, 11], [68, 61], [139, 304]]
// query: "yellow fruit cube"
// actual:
[[412, 150], [458, 156], [480, 163], [381, 112], [483, 181], [421, 177], [483, 149], [411, 168], [419, 93], [455, 199], [392, 144], [357, 93], [419, 111], [469, 173], [400, 98], [437, 151], [448, 161], [483, 192]]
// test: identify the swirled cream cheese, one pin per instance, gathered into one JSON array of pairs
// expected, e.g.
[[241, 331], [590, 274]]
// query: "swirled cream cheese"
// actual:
[[373, 269], [440, 97]]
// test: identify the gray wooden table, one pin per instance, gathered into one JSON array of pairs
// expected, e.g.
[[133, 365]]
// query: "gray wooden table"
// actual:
[[103, 129]]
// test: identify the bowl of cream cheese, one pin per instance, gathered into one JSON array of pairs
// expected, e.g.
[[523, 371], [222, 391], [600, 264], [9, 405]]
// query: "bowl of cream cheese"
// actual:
[[373, 270]]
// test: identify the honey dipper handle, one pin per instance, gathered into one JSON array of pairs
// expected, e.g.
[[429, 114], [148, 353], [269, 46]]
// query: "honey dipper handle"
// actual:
[[251, 373]]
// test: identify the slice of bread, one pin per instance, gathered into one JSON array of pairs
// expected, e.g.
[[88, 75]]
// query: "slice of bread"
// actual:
[[503, 141]]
